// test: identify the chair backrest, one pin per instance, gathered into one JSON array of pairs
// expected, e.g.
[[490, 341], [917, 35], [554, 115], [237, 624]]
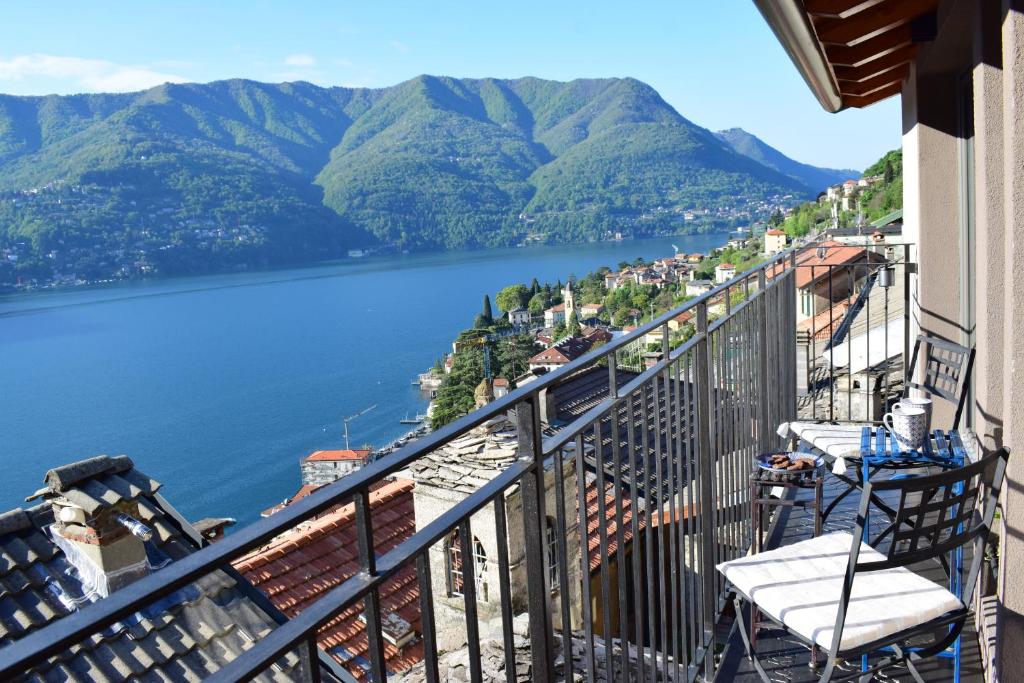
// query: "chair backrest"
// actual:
[[947, 371], [937, 514]]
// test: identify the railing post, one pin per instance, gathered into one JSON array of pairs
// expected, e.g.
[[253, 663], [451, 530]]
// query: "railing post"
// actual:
[[764, 412], [371, 603], [706, 469], [538, 591]]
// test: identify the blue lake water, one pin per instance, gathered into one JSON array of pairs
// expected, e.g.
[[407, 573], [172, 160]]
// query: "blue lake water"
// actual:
[[216, 386]]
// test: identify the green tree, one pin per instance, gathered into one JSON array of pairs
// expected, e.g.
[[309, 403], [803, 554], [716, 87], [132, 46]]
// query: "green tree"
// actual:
[[534, 287], [573, 327], [538, 302], [486, 313], [890, 172], [513, 297], [558, 334], [776, 219]]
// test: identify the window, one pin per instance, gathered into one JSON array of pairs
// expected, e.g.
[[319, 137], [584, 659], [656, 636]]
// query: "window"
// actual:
[[552, 539], [453, 563]]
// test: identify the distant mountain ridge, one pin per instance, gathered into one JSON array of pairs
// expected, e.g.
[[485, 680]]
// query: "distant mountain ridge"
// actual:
[[813, 177], [199, 177]]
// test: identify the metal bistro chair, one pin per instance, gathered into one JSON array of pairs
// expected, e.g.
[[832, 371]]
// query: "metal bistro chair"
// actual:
[[852, 599], [947, 375]]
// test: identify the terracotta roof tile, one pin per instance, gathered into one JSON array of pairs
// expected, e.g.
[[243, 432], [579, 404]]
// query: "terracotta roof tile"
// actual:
[[296, 569]]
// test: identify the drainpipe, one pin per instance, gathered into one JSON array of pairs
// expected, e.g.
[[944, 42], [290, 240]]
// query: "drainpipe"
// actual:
[[791, 26]]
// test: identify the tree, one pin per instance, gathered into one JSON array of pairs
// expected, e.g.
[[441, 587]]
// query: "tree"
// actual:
[[513, 297], [486, 314], [558, 333], [776, 219], [890, 172], [534, 287], [538, 302], [573, 327]]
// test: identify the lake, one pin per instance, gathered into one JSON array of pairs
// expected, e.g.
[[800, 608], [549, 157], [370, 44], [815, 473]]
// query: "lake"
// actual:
[[216, 386]]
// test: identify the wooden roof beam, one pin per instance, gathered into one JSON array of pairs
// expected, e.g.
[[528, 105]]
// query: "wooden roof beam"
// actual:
[[876, 96], [869, 50], [870, 69], [866, 25], [894, 75], [838, 9]]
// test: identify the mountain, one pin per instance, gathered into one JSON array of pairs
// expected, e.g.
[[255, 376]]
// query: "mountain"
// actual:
[[201, 177], [815, 178]]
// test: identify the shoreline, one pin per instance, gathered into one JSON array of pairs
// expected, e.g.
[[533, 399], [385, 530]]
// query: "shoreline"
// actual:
[[13, 291]]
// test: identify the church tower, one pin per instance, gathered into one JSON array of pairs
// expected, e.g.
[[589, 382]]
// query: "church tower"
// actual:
[[568, 301]]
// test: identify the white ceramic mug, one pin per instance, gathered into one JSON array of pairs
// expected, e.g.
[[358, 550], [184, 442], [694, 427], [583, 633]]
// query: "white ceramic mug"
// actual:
[[908, 424], [917, 402]]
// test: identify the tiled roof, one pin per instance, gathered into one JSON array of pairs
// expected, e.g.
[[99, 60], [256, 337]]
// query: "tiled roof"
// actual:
[[186, 636], [468, 462], [298, 568], [725, 266], [343, 454], [774, 232], [564, 351], [594, 522], [827, 322], [822, 255]]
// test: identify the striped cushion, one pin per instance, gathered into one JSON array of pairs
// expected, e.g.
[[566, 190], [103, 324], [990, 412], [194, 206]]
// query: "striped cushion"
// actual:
[[836, 441], [800, 586]]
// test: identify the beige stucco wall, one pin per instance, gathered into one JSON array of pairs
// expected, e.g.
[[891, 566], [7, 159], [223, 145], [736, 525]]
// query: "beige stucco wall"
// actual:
[[986, 39], [1011, 646]]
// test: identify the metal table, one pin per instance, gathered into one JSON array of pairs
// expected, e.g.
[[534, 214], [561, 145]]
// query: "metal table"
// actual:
[[879, 450]]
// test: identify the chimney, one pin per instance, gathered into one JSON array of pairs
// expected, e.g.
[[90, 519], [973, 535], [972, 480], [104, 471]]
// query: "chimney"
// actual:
[[99, 534], [107, 547]]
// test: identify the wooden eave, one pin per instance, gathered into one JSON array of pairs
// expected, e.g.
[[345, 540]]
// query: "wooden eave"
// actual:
[[867, 44], [852, 53]]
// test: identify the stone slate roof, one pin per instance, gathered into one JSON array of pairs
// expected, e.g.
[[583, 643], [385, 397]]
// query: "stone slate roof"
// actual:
[[186, 636], [470, 461], [297, 568]]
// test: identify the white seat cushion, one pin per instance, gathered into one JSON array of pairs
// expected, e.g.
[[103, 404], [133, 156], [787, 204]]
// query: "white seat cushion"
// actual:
[[800, 585], [835, 440]]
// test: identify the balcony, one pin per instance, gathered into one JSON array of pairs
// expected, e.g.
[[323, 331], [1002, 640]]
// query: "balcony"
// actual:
[[585, 509]]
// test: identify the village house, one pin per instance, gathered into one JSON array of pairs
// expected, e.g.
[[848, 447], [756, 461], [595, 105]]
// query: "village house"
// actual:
[[554, 316], [560, 354], [697, 287], [589, 311], [518, 317], [774, 241], [827, 273], [724, 272], [323, 467]]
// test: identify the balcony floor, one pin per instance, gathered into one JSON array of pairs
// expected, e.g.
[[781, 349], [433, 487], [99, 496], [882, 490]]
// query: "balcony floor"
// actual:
[[784, 657]]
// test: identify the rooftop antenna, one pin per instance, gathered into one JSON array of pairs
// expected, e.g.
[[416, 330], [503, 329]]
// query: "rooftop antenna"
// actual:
[[348, 419]]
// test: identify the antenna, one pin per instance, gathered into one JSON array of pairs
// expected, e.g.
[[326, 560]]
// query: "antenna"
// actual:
[[348, 419]]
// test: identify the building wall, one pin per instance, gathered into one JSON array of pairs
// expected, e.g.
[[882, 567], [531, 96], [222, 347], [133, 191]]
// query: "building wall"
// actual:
[[319, 472], [984, 38], [433, 501]]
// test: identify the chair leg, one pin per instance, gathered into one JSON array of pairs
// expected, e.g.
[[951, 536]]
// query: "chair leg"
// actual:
[[751, 654]]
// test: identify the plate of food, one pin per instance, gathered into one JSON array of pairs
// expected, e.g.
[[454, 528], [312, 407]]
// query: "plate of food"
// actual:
[[787, 465]]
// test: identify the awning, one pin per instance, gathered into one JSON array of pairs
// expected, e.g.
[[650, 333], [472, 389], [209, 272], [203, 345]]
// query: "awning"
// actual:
[[855, 352]]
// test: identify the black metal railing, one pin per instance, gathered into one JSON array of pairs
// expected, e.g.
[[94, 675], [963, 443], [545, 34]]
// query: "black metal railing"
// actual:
[[668, 452]]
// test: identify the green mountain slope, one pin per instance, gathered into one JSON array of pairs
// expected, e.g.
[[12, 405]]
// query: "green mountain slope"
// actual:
[[199, 177], [815, 178]]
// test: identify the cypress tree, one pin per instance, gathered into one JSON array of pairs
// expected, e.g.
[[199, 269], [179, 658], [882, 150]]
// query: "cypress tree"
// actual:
[[534, 287], [486, 314]]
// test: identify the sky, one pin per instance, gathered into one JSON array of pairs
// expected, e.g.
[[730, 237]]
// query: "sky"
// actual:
[[715, 61]]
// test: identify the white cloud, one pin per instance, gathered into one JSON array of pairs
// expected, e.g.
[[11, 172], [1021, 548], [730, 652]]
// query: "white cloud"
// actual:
[[399, 46], [300, 60], [95, 75]]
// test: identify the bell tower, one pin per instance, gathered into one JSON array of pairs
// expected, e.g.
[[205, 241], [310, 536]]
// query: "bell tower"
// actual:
[[569, 300]]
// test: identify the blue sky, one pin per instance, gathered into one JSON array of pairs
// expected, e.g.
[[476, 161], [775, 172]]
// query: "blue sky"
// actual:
[[716, 61]]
